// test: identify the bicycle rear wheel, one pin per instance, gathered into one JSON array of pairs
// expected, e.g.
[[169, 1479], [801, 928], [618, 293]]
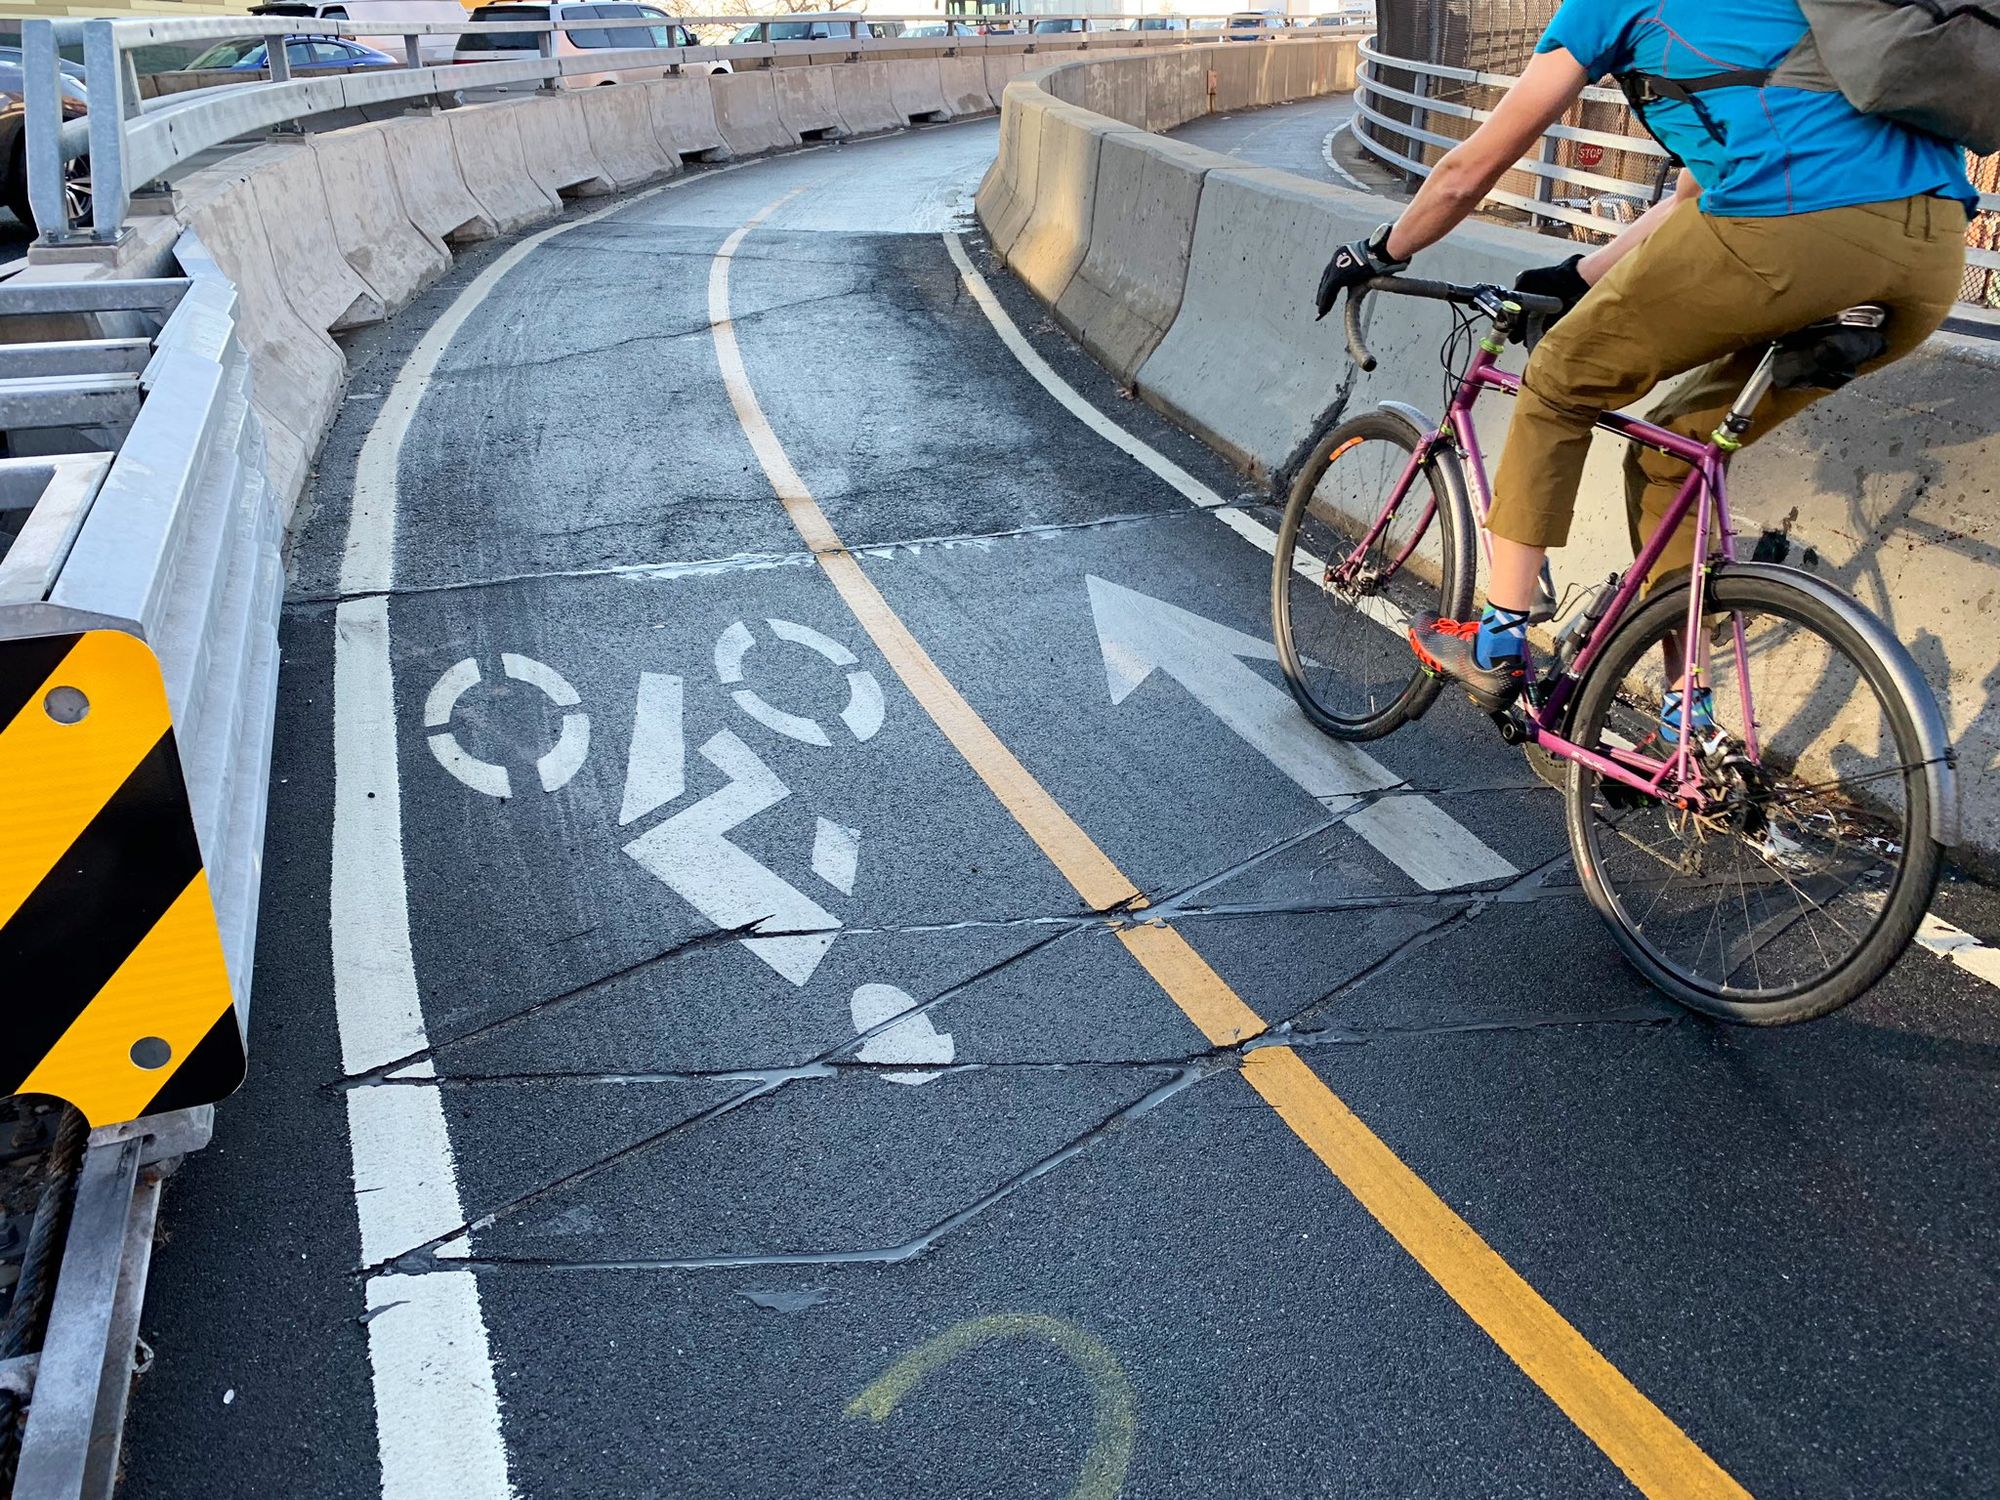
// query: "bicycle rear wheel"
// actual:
[[1340, 600], [1805, 874]]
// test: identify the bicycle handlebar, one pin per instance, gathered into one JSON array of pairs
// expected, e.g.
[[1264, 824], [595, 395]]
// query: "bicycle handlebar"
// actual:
[[1490, 299]]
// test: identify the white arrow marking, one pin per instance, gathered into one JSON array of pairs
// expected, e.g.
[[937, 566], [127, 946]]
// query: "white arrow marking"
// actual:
[[656, 764], [689, 853], [836, 855], [1138, 633], [915, 1040]]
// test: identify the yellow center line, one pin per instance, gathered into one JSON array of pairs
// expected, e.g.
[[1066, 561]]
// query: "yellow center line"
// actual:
[[1633, 1433]]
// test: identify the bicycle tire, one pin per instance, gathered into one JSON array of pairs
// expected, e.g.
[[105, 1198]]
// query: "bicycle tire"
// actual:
[[1903, 907], [1451, 596]]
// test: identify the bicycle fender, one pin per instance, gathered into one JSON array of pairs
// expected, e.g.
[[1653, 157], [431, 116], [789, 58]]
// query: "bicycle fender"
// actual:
[[1444, 456], [1940, 759]]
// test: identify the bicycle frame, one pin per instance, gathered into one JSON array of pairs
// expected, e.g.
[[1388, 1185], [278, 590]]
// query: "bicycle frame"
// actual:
[[1705, 492]]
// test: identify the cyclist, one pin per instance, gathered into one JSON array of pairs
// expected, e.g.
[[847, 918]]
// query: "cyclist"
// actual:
[[1793, 205]]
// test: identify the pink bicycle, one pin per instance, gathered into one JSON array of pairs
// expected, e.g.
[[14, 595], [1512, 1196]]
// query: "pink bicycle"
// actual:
[[1765, 870]]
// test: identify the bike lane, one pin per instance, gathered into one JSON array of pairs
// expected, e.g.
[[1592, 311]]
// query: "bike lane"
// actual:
[[716, 1188]]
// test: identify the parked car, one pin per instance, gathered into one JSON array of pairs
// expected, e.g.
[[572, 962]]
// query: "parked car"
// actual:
[[385, 14], [1250, 25], [939, 28], [833, 26], [14, 138], [325, 54], [644, 26], [1161, 23], [1075, 24]]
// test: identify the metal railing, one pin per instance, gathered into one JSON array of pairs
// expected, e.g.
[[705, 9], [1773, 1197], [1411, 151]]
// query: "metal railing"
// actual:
[[1378, 102], [132, 142]]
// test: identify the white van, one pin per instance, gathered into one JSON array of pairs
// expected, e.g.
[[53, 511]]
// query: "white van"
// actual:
[[385, 14]]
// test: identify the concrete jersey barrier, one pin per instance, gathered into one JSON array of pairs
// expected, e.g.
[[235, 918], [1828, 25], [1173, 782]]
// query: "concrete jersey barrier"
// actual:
[[425, 166], [372, 226], [746, 111]]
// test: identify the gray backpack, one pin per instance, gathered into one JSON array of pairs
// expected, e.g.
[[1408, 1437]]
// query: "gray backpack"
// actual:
[[1931, 64]]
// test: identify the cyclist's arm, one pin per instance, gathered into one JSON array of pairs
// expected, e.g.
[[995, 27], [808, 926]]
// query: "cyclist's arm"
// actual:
[[1464, 174], [1602, 259]]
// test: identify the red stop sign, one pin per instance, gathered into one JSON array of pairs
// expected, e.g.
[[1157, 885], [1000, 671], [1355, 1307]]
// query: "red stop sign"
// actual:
[[1589, 156]]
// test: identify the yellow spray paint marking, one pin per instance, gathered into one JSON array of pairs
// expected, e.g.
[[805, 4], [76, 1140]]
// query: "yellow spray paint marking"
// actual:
[[1643, 1441], [1103, 1473]]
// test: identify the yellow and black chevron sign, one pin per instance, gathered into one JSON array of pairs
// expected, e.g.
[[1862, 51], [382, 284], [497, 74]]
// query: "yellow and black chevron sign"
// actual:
[[114, 993]]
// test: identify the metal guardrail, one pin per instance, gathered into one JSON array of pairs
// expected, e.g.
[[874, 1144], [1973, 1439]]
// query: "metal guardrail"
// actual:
[[1406, 155], [131, 143], [148, 514]]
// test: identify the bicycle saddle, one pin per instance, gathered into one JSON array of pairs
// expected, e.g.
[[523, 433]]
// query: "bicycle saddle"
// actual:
[[1827, 354]]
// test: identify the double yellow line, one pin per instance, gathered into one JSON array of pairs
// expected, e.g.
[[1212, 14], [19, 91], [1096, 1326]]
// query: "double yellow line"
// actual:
[[1633, 1433]]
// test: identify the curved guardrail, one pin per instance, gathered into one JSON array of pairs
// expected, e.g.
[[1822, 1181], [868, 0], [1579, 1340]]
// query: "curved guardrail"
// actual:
[[1399, 144]]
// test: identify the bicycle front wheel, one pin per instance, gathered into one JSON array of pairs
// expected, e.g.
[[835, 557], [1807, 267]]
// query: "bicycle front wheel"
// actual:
[[1355, 559], [1801, 871]]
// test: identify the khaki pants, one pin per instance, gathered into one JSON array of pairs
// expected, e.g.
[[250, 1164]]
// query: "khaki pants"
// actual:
[[1712, 291]]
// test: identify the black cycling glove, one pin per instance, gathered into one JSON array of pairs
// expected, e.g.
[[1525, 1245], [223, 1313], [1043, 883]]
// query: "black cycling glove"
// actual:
[[1563, 282], [1353, 264]]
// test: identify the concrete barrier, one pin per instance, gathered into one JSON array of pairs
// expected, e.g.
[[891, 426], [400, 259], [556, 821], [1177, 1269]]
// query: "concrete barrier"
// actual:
[[428, 179], [865, 102], [556, 145], [746, 111], [963, 81], [684, 119], [372, 226], [486, 139], [619, 122], [916, 91], [298, 372], [807, 107], [1006, 195], [1127, 289], [1056, 233], [291, 197], [1001, 69]]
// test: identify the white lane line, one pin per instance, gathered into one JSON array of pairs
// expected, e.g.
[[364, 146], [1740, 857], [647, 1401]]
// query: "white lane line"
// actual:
[[1960, 947], [437, 1408], [1940, 937]]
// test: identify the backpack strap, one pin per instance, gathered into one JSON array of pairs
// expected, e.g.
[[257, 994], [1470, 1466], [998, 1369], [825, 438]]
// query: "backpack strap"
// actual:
[[1644, 89]]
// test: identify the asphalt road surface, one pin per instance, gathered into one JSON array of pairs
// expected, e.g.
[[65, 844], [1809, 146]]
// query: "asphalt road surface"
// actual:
[[779, 838], [1291, 137]]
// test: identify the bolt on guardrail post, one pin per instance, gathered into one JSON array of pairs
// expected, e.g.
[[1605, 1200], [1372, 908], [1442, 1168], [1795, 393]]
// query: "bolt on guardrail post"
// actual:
[[110, 193], [42, 101]]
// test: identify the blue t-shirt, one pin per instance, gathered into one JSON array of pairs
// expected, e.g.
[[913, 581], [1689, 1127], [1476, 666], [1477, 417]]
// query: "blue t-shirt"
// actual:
[[1784, 151]]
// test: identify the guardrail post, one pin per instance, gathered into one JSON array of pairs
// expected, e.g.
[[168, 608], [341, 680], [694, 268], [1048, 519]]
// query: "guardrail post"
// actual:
[[278, 59], [552, 80], [1545, 187], [110, 193], [413, 53], [42, 102]]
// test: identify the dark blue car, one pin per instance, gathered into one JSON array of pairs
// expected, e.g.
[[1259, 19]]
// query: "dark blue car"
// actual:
[[319, 53]]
